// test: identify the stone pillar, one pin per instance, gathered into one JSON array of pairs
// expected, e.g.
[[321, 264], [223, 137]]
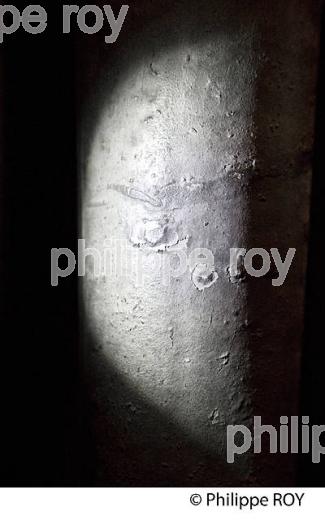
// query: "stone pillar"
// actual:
[[197, 134]]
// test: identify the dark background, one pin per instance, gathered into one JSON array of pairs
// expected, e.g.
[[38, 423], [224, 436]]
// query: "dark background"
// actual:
[[43, 418]]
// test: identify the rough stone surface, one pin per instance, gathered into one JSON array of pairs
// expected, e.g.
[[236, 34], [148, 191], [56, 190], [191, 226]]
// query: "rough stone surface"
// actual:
[[199, 135]]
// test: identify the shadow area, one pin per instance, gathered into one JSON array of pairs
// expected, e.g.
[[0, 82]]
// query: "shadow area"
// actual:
[[132, 443], [313, 386], [278, 194]]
